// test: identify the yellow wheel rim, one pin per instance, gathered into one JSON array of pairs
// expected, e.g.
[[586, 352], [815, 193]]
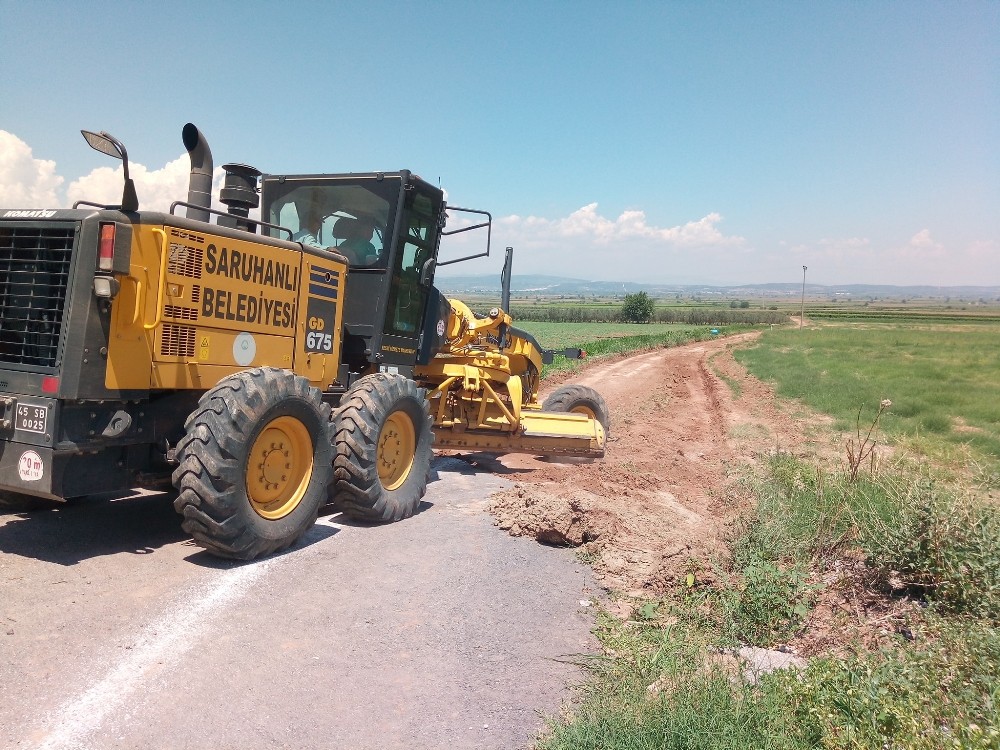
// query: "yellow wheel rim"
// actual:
[[396, 445], [279, 468], [585, 410]]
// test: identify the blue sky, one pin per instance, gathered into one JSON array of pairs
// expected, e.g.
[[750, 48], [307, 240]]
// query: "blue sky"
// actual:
[[674, 141]]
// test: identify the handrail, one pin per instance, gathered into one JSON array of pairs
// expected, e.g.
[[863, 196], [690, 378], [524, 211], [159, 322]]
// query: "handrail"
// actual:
[[162, 280], [489, 231], [246, 219]]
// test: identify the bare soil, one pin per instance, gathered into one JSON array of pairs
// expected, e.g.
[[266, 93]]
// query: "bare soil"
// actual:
[[662, 503], [659, 504]]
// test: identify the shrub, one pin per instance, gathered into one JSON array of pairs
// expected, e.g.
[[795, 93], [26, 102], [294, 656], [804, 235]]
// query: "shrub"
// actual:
[[945, 548], [769, 606], [638, 308], [938, 692]]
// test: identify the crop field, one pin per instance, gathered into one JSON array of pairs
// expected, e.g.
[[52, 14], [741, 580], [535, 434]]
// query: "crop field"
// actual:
[[562, 335], [943, 380], [602, 339]]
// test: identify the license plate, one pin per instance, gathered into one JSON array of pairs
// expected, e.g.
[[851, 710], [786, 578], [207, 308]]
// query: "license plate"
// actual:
[[31, 418]]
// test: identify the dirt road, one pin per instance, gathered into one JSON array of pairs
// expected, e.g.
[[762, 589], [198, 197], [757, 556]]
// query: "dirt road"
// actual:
[[661, 498]]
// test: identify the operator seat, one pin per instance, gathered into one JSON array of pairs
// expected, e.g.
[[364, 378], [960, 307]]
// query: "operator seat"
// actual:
[[356, 240]]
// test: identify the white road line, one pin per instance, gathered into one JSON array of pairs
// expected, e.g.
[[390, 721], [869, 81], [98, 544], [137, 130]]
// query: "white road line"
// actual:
[[169, 637]]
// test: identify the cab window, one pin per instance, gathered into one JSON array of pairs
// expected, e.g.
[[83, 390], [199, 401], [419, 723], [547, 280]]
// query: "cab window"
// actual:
[[349, 218], [406, 299]]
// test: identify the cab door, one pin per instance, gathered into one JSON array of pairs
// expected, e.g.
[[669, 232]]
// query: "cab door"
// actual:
[[416, 242]]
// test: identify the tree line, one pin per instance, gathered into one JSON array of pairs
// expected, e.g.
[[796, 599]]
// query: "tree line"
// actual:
[[639, 308]]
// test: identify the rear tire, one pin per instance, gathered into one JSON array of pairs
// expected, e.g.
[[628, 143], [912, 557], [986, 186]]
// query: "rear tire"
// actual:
[[579, 399], [255, 464], [382, 441]]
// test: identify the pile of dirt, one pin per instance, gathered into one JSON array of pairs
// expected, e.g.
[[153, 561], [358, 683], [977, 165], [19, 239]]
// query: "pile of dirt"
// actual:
[[658, 506]]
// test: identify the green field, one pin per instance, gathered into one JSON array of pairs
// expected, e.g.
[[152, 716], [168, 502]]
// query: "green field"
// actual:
[[943, 381], [603, 339], [562, 335]]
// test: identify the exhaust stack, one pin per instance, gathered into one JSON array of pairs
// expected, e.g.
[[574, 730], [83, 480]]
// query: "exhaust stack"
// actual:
[[200, 182]]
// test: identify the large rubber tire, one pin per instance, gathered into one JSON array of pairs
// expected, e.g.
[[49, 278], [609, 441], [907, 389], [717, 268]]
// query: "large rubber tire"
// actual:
[[382, 442], [579, 399], [255, 463]]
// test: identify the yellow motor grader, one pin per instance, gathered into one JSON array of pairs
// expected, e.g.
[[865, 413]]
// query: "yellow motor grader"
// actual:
[[264, 367]]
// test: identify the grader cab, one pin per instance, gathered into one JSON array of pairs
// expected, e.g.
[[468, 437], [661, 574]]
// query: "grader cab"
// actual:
[[263, 367]]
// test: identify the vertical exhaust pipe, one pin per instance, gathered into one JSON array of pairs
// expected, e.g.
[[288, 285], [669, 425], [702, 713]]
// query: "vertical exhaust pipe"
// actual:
[[200, 181]]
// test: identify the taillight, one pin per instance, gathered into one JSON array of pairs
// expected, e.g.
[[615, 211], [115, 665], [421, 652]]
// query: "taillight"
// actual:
[[106, 249]]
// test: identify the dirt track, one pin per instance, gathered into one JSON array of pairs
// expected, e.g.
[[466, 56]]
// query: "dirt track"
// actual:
[[661, 498]]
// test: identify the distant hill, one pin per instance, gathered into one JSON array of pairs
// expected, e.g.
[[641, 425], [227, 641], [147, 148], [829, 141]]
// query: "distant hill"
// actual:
[[550, 286]]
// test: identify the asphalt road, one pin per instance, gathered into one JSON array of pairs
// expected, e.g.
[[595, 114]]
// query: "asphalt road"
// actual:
[[436, 632]]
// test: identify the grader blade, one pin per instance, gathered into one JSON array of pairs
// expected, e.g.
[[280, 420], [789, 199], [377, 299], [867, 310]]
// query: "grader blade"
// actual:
[[540, 432]]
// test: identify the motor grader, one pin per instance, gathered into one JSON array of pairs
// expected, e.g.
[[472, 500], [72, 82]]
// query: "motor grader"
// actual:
[[264, 367]]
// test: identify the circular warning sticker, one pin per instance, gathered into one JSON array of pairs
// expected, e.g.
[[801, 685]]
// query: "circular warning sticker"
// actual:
[[440, 328], [30, 467]]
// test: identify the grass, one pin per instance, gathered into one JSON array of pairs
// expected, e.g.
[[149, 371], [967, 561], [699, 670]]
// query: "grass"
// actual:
[[943, 382], [665, 679], [942, 545], [664, 688], [605, 339], [941, 692], [563, 335]]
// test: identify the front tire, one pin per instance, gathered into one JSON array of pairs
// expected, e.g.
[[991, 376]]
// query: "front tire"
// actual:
[[382, 441], [579, 399], [255, 464]]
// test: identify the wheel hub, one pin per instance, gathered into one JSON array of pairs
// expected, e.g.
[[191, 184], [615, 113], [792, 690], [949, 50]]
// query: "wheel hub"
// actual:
[[396, 447], [279, 467]]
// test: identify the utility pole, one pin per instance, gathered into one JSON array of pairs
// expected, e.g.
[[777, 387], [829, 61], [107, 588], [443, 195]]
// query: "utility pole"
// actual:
[[802, 310]]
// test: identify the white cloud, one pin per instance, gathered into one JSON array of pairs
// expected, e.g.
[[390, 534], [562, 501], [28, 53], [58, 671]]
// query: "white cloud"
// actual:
[[983, 249], [587, 244], [156, 188], [922, 239], [25, 181], [921, 247], [587, 224]]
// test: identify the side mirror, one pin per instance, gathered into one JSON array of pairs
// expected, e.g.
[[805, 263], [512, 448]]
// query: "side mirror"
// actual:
[[427, 272], [108, 144]]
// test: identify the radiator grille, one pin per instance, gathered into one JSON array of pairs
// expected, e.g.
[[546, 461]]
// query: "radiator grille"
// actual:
[[185, 260], [180, 313], [177, 341], [34, 275]]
